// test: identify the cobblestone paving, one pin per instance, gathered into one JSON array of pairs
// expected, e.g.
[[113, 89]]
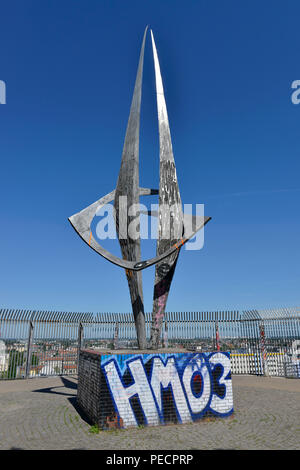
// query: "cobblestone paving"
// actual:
[[42, 414]]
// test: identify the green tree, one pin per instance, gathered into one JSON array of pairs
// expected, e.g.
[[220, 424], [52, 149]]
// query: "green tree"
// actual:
[[34, 360], [16, 358]]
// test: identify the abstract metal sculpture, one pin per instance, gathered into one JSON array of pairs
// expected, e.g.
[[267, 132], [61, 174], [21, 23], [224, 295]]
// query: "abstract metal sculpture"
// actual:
[[174, 228]]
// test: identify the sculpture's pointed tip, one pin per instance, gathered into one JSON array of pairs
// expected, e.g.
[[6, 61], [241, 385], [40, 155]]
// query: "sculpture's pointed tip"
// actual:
[[146, 30]]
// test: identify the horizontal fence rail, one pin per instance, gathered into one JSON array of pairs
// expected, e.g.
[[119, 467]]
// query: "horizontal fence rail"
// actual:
[[44, 343]]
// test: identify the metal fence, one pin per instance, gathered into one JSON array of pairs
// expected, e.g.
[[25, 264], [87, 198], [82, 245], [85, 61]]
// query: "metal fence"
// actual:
[[39, 343]]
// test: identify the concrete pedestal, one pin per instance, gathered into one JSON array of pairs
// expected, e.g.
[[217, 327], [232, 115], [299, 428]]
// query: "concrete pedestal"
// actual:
[[139, 388]]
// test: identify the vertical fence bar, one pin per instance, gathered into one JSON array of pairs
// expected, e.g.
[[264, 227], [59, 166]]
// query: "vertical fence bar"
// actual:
[[217, 336], [263, 339], [29, 348], [263, 350], [79, 343], [116, 336]]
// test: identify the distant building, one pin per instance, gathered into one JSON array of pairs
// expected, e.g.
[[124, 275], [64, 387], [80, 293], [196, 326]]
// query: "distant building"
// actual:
[[4, 357]]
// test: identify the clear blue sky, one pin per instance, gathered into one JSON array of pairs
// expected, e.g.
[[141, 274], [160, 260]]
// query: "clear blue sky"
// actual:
[[69, 67]]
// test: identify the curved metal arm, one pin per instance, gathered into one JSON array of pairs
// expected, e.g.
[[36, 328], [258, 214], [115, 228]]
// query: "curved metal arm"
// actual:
[[81, 222]]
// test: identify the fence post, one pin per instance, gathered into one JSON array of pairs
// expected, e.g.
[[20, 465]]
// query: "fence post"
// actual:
[[79, 342], [116, 336], [217, 336], [29, 348], [263, 351], [166, 345]]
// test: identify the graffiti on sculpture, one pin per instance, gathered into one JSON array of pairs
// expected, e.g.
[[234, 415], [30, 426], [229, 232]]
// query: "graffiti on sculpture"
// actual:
[[153, 389]]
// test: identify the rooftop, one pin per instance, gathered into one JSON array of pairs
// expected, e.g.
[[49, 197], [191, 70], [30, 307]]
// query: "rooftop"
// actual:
[[41, 413]]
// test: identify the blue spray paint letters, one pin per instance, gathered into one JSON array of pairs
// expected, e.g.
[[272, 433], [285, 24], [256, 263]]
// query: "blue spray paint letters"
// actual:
[[194, 384], [122, 394], [163, 376]]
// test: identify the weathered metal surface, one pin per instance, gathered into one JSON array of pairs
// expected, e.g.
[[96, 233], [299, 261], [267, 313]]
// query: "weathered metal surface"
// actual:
[[128, 187], [170, 223], [81, 222], [173, 230]]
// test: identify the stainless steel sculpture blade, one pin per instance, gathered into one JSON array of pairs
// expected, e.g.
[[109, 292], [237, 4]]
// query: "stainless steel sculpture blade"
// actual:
[[174, 227], [170, 223], [127, 193]]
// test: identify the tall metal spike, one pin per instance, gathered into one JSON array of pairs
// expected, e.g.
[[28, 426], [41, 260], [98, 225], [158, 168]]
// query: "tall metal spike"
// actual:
[[170, 221], [128, 187]]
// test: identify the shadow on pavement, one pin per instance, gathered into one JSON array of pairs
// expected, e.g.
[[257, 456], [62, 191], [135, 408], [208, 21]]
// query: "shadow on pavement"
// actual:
[[83, 416], [69, 384]]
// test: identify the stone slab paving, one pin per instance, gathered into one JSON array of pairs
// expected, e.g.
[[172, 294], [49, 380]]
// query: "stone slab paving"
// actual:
[[41, 414]]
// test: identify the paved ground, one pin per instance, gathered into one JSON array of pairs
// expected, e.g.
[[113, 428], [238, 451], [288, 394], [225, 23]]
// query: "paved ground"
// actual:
[[42, 414]]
